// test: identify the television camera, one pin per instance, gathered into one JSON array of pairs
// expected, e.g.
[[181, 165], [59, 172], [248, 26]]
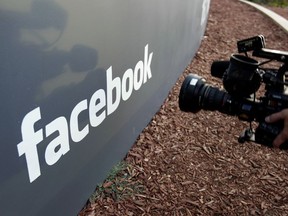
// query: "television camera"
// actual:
[[242, 77]]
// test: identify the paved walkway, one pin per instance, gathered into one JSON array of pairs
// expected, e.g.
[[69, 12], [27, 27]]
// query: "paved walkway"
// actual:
[[281, 21]]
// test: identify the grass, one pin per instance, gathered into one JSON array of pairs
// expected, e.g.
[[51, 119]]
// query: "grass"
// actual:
[[275, 3], [118, 185]]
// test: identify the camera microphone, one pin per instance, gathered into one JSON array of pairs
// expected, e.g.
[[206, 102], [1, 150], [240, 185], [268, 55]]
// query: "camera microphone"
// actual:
[[218, 68]]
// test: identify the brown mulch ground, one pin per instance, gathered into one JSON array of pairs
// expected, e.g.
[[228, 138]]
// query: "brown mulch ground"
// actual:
[[192, 164]]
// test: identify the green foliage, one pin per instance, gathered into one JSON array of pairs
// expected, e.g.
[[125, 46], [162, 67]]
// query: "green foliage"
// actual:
[[118, 185], [276, 3]]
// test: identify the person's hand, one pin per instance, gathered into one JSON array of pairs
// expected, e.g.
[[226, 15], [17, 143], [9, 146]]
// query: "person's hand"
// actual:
[[283, 135]]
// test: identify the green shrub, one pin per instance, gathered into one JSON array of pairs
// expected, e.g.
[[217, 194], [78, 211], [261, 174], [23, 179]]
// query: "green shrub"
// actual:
[[277, 3]]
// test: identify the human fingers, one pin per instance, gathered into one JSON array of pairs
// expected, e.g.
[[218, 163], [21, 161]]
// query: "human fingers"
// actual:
[[280, 139], [277, 116]]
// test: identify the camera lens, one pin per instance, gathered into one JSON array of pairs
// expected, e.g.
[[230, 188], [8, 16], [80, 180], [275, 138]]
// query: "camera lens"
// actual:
[[195, 95]]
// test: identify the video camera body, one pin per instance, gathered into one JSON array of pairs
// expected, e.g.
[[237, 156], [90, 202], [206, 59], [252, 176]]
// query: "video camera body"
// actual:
[[242, 76]]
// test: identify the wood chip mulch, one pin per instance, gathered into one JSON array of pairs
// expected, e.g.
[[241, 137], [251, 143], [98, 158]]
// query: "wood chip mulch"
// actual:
[[191, 164]]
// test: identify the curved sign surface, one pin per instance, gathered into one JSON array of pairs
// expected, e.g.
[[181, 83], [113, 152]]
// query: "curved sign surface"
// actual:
[[79, 82]]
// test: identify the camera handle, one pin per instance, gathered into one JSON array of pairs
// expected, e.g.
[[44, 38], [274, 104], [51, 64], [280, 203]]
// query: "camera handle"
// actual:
[[265, 134], [247, 135]]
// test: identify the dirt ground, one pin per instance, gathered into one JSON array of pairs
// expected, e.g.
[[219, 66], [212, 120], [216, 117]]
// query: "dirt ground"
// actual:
[[192, 164]]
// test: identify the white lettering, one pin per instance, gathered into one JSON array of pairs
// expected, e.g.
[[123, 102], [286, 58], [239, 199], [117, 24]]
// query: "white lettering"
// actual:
[[127, 88], [76, 134], [147, 64], [101, 105], [97, 103], [138, 75], [52, 154], [30, 140], [116, 85]]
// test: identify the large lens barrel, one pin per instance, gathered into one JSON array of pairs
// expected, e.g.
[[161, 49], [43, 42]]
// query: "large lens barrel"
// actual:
[[195, 95]]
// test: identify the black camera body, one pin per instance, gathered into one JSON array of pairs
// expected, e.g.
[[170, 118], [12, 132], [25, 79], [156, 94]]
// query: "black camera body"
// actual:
[[242, 77]]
